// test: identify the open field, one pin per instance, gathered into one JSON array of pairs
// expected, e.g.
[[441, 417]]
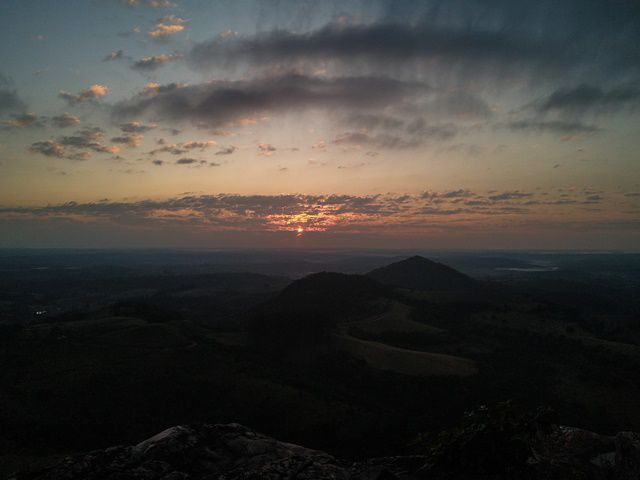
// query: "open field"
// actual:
[[396, 319], [407, 362]]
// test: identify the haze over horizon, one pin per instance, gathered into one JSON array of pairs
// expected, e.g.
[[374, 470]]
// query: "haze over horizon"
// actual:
[[353, 124]]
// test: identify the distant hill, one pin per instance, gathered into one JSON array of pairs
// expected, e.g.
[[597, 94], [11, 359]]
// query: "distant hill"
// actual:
[[307, 310], [419, 273], [342, 289]]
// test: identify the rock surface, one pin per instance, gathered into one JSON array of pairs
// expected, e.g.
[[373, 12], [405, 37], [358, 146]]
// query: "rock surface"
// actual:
[[234, 452], [225, 452]]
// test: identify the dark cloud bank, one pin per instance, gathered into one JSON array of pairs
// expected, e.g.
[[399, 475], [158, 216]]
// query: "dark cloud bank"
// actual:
[[219, 102], [409, 54]]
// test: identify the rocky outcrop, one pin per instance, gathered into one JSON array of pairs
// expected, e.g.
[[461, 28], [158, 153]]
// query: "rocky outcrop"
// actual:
[[234, 452], [577, 453], [225, 452]]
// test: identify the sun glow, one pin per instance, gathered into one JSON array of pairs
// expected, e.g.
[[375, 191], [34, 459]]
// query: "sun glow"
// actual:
[[299, 231]]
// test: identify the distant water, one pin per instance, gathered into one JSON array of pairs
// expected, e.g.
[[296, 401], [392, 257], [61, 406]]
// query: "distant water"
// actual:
[[528, 269]]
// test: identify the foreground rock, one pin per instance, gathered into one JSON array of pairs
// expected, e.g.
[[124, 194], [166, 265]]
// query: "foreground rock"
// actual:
[[226, 452], [234, 452]]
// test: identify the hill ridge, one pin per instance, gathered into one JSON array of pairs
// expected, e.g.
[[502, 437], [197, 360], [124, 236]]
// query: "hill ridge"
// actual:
[[420, 273]]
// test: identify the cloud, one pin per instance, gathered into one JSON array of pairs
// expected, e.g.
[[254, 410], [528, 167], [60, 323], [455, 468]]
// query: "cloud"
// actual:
[[166, 27], [228, 150], [512, 195], [9, 99], [22, 120], [423, 129], [585, 97], [460, 193], [220, 102], [94, 92], [132, 133], [331, 213], [465, 148], [371, 121], [150, 89], [65, 120], [128, 33], [162, 31], [137, 127], [376, 141], [159, 4], [356, 165], [552, 126], [266, 149], [113, 56], [417, 128], [386, 132], [155, 61], [182, 148], [319, 146], [596, 198], [75, 147], [195, 162], [84, 137], [455, 195], [461, 104], [156, 4], [377, 42], [186, 161], [88, 138], [49, 148], [131, 140]]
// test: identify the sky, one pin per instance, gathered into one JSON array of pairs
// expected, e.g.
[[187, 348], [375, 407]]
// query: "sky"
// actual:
[[486, 124]]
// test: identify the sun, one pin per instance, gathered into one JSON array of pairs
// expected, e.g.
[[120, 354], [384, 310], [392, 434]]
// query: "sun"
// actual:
[[299, 231]]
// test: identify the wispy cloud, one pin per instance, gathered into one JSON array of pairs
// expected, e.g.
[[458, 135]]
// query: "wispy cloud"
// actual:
[[221, 102], [155, 4], [227, 150], [381, 214], [65, 120], [378, 43], [114, 56], [131, 140], [10, 101], [137, 127], [195, 162], [166, 27], [22, 120], [94, 92], [156, 61], [184, 147], [585, 97], [77, 146], [266, 149], [552, 126], [377, 141]]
